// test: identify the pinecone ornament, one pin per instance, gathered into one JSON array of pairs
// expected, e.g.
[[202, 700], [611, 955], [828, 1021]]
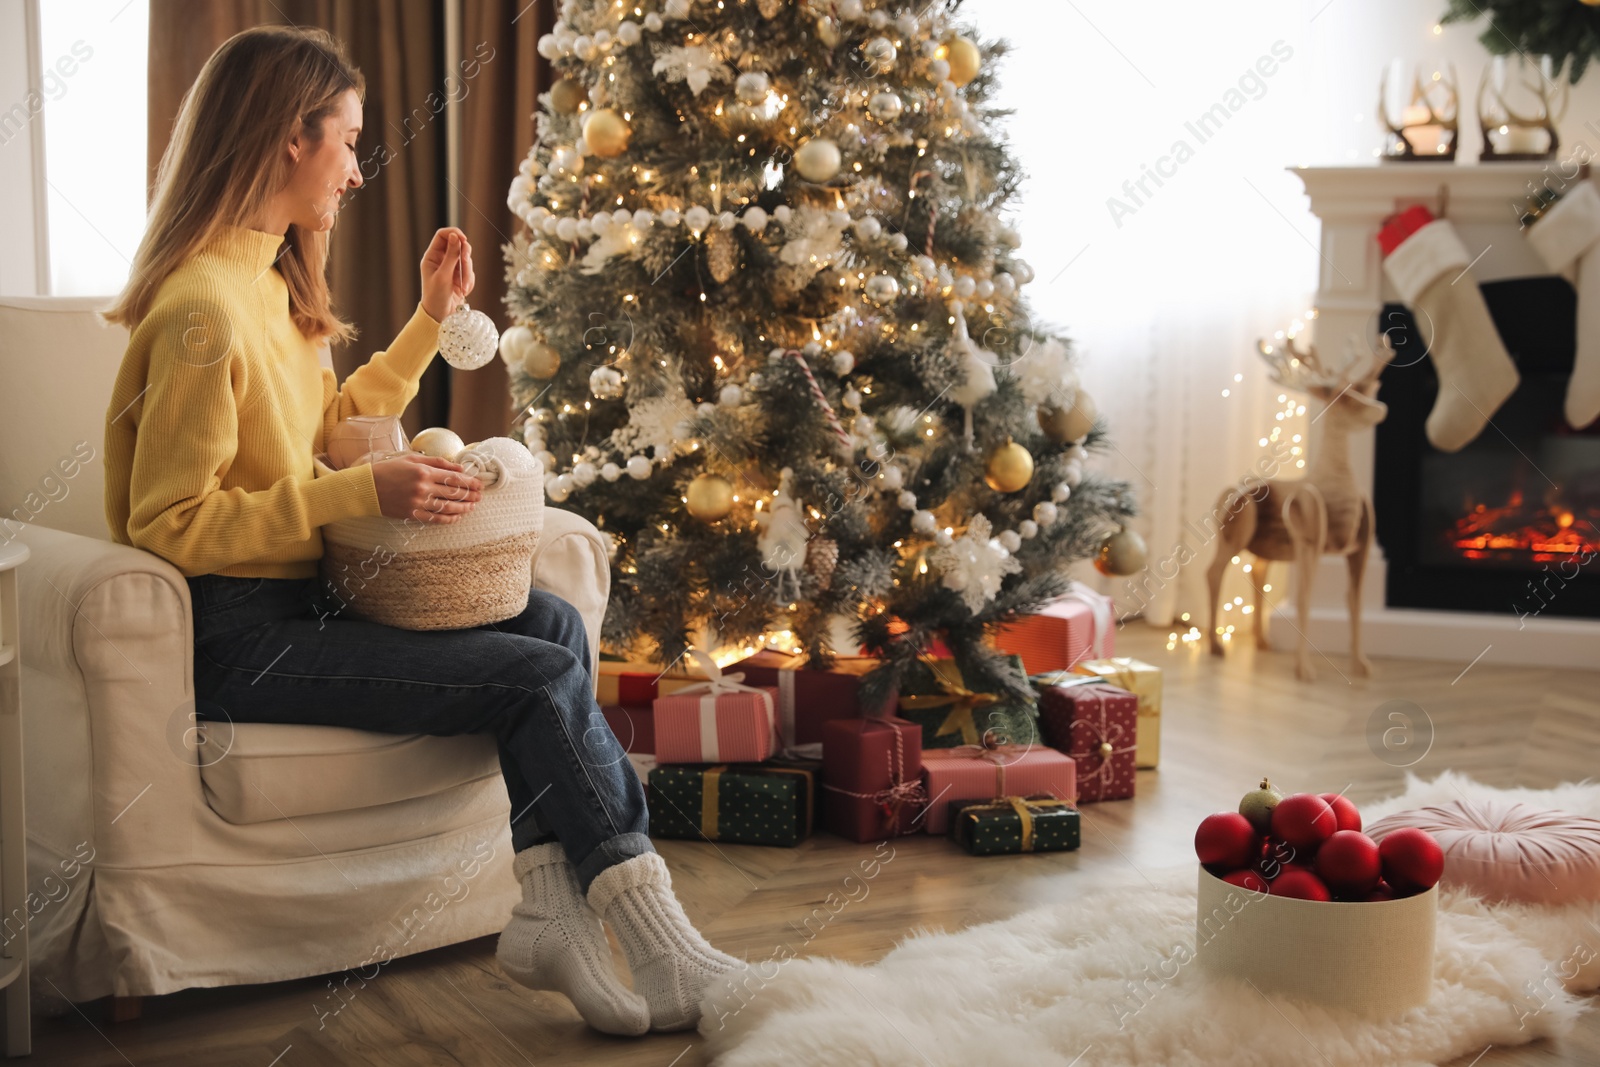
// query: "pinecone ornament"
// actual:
[[722, 253], [822, 558]]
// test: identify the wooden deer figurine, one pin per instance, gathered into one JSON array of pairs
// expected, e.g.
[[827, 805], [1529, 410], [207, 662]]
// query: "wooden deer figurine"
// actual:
[[1303, 519]]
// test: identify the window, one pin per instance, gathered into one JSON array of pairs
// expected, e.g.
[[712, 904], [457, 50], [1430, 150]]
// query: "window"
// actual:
[[91, 78]]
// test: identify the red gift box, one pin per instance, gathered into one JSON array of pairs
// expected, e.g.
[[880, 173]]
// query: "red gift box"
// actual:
[[720, 720], [1096, 724], [1073, 628], [634, 727], [973, 772], [637, 684], [871, 777], [807, 698]]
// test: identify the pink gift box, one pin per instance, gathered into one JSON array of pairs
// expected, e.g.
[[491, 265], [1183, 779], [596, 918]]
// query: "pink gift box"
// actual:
[[717, 723], [1076, 627], [970, 772]]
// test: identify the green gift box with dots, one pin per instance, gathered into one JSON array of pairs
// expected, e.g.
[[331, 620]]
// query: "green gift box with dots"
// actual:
[[1008, 825], [739, 803]]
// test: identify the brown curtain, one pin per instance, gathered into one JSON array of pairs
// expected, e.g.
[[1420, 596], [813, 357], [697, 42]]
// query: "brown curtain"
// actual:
[[385, 226]]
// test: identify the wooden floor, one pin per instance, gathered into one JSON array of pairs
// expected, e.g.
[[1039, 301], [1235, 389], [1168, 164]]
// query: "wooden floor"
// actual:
[[1226, 724]]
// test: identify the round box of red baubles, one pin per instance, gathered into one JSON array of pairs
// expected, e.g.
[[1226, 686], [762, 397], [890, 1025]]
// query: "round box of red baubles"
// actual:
[[1294, 897]]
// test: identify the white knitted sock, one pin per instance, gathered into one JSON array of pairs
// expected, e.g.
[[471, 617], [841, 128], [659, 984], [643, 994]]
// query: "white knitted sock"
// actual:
[[554, 941], [672, 964]]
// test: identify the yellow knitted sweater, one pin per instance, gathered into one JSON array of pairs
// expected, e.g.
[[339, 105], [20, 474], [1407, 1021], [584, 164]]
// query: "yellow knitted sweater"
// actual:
[[218, 408]]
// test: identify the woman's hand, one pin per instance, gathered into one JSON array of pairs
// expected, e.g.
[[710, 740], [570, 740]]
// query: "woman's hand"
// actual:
[[425, 488], [446, 273]]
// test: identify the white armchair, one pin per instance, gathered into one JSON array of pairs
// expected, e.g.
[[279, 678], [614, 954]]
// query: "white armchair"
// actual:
[[162, 856]]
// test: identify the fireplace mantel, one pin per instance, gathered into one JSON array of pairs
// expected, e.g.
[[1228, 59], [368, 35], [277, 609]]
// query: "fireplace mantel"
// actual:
[[1482, 202]]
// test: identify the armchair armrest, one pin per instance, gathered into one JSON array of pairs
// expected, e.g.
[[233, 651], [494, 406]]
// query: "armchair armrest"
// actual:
[[108, 698], [571, 561]]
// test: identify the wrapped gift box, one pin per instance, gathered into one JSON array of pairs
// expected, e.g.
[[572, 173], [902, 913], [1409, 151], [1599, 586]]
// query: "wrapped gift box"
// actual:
[[1074, 628], [745, 804], [1015, 824], [638, 684], [871, 777], [634, 727], [807, 698], [717, 722], [1095, 723], [1143, 680], [976, 773], [933, 696]]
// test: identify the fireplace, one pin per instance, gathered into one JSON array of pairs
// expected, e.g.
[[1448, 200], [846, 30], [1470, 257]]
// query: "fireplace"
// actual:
[[1508, 524]]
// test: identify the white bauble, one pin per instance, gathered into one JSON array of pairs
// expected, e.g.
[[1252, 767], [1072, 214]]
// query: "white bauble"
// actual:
[[697, 218], [706, 409], [438, 442], [885, 106], [817, 160], [643, 219], [1072, 474], [850, 10], [585, 229], [727, 220], [566, 160], [898, 242], [628, 32], [844, 361], [755, 219], [1021, 271], [907, 500], [839, 217], [600, 220], [882, 289], [567, 229], [731, 396], [1028, 529], [467, 338], [862, 425], [938, 71], [965, 286], [652, 22], [550, 225], [558, 488], [752, 86], [584, 47], [638, 468], [606, 383], [924, 523], [1004, 284], [868, 228], [851, 397], [514, 345], [547, 459], [943, 538], [985, 288], [584, 474], [878, 19]]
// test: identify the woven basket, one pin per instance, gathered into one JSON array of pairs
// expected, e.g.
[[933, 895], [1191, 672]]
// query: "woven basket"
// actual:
[[415, 575]]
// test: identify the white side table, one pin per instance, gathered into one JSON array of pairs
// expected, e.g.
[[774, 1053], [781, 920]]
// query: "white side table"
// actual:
[[13, 826]]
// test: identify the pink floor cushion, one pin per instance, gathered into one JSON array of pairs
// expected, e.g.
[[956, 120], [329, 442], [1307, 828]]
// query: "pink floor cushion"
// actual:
[[1508, 850]]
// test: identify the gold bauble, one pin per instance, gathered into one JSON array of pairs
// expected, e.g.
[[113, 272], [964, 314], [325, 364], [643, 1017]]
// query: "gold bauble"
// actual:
[[1008, 468], [1073, 423], [1122, 554], [607, 133], [566, 96], [817, 160], [438, 442], [710, 497], [1106, 751], [964, 60], [542, 361]]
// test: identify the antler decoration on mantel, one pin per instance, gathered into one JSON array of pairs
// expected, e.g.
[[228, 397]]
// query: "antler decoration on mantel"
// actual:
[[1422, 112], [1497, 114]]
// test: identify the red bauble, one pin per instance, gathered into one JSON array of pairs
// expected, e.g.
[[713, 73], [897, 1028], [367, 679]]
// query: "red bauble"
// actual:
[[1412, 859], [1275, 855], [1300, 884], [1226, 840], [1304, 820], [1348, 861], [1344, 811], [1248, 880], [1381, 891]]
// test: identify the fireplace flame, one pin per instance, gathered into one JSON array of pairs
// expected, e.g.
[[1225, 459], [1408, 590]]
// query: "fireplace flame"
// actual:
[[1518, 530]]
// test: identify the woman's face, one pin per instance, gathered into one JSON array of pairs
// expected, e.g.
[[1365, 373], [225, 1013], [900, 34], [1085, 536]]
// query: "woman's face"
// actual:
[[325, 169]]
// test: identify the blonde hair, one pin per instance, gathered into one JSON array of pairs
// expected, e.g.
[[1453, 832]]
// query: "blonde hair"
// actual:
[[226, 160]]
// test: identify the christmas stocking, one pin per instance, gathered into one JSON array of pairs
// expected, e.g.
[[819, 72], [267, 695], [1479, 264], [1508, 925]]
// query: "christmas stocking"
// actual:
[[1427, 264], [1565, 233]]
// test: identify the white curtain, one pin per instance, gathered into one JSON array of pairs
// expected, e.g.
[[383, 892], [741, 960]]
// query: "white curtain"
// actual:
[[1165, 295]]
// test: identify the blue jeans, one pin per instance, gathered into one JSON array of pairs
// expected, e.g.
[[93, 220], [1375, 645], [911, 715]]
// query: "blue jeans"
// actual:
[[282, 650]]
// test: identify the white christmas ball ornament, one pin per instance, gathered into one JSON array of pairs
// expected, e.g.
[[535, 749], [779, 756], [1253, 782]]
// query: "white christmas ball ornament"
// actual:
[[550, 225], [567, 229], [628, 33], [676, 9], [1044, 513], [652, 22], [706, 409], [752, 86], [882, 289], [606, 383], [467, 338], [878, 19], [907, 500], [638, 468], [938, 71], [965, 286], [584, 47], [558, 488], [898, 242], [868, 228], [566, 161], [924, 523], [852, 398], [610, 471], [881, 54], [850, 10], [547, 459], [731, 396], [1022, 272], [844, 361], [817, 160], [514, 344], [585, 229], [1004, 284], [985, 289], [600, 220], [438, 442], [584, 474]]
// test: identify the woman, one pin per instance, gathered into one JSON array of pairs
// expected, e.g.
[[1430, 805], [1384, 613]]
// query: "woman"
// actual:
[[218, 409]]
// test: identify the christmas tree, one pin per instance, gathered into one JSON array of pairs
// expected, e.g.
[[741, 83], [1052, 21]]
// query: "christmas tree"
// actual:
[[1566, 30], [770, 335]]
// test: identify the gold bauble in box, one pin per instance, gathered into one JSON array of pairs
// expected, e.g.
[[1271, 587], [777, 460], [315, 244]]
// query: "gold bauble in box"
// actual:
[[541, 360], [607, 133], [964, 60], [710, 497], [566, 96], [1009, 468], [1073, 423], [1121, 554], [438, 442]]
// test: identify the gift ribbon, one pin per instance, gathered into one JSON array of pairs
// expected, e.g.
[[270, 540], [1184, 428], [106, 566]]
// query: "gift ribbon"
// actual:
[[1100, 609], [717, 685], [1120, 672], [900, 791], [1023, 806], [710, 796], [995, 754], [961, 701]]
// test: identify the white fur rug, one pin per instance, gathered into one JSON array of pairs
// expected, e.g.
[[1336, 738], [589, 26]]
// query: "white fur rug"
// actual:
[[1097, 982]]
